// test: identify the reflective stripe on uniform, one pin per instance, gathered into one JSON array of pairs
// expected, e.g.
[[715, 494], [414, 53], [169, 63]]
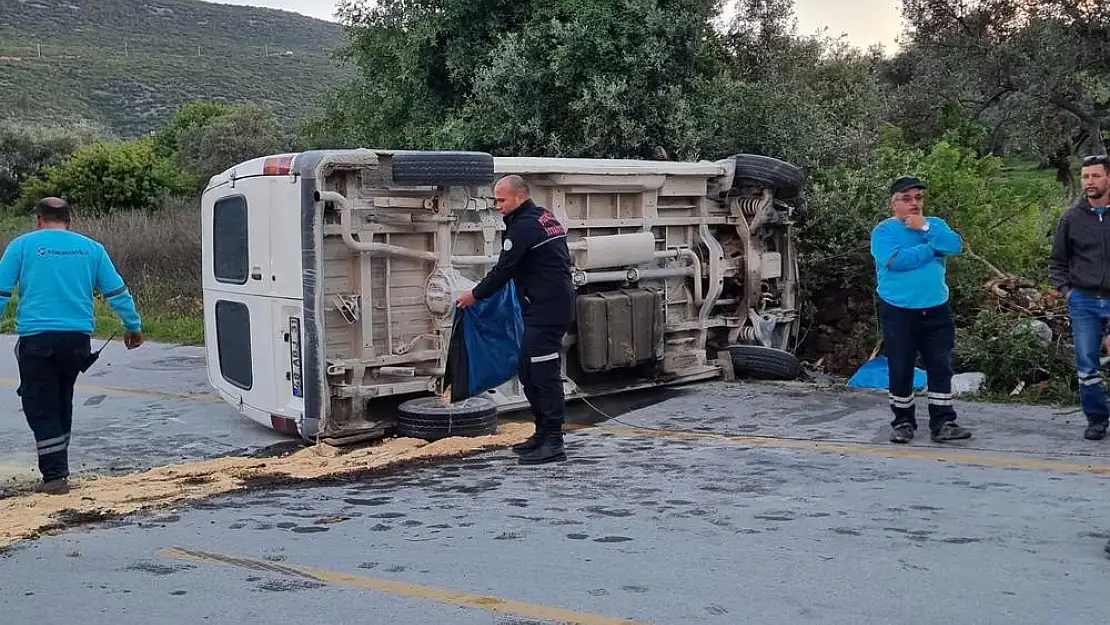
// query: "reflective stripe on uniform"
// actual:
[[901, 402], [545, 242], [54, 450], [545, 357], [940, 399], [53, 445], [50, 442]]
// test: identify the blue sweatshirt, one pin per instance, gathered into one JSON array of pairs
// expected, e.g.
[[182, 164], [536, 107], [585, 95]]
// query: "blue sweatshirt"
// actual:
[[56, 271], [910, 264]]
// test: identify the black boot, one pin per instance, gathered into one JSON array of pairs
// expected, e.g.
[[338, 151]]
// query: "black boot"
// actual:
[[550, 449], [1095, 432], [58, 486], [530, 443]]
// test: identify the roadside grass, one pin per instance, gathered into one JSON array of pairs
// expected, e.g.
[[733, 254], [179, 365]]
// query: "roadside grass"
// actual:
[[1029, 179], [158, 326]]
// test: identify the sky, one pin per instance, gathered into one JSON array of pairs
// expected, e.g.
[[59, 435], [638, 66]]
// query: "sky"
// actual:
[[865, 23]]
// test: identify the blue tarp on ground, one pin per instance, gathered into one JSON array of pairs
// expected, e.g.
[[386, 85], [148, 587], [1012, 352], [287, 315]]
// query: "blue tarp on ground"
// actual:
[[484, 354], [875, 373]]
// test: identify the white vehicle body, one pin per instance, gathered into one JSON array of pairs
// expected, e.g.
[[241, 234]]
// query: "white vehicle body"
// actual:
[[329, 276]]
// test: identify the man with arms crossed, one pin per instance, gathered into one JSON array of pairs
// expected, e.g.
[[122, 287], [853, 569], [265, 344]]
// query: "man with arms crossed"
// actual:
[[56, 271], [1080, 270], [910, 252], [535, 256]]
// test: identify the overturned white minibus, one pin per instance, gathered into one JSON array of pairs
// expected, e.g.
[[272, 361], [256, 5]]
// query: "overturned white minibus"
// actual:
[[330, 276]]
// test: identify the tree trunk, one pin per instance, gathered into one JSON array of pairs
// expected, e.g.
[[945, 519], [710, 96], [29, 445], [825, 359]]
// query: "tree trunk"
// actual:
[[1091, 122], [1098, 142], [1061, 162]]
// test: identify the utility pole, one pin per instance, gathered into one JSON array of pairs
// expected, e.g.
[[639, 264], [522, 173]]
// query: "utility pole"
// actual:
[[39, 47]]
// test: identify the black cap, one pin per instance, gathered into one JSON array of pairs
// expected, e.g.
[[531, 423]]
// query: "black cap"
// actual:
[[905, 183]]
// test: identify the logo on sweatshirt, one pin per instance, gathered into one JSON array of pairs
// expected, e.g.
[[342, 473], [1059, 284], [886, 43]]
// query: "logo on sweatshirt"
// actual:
[[47, 251]]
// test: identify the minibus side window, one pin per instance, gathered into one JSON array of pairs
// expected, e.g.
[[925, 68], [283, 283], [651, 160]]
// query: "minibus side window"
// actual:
[[229, 240], [233, 341]]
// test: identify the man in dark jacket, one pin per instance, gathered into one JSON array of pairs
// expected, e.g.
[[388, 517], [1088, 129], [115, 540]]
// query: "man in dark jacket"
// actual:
[[1080, 269], [534, 254]]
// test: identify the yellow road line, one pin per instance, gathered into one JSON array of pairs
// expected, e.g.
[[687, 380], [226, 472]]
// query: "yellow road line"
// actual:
[[111, 390], [919, 453], [442, 595]]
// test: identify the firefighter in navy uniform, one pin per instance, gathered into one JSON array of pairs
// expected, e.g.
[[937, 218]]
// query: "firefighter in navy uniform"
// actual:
[[534, 255]]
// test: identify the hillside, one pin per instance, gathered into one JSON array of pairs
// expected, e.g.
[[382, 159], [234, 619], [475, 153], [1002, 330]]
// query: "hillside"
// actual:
[[128, 64]]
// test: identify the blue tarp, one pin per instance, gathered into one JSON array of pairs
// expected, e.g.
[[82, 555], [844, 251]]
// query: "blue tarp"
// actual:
[[485, 344], [875, 373]]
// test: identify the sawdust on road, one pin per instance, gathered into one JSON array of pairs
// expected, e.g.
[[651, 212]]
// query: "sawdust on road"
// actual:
[[97, 497]]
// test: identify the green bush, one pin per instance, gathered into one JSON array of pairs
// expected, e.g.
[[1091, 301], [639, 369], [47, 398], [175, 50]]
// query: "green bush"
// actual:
[[1005, 349], [106, 177], [241, 133], [25, 149], [186, 120], [1004, 223]]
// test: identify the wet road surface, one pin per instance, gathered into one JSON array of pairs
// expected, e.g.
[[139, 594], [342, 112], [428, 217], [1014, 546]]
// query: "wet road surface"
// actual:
[[132, 410], [724, 504]]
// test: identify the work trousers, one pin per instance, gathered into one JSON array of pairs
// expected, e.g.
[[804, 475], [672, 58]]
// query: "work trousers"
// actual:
[[1089, 318], [541, 374], [49, 364], [930, 332]]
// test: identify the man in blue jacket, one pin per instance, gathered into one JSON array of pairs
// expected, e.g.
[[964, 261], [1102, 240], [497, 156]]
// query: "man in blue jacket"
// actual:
[[56, 271], [910, 252]]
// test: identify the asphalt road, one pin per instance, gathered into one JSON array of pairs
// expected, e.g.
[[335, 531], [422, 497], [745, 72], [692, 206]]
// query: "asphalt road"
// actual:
[[724, 504], [132, 410]]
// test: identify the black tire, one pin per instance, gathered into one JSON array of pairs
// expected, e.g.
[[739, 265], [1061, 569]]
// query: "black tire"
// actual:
[[787, 180], [431, 419], [764, 363], [435, 434], [422, 169]]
